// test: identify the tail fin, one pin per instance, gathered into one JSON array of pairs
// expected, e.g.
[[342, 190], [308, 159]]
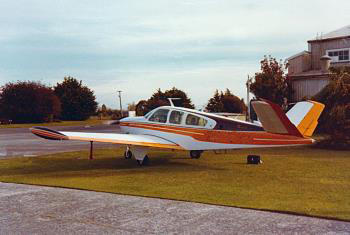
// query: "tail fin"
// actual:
[[300, 121], [304, 115]]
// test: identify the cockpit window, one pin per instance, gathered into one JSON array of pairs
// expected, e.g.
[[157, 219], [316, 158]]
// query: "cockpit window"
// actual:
[[176, 117], [159, 116], [195, 120]]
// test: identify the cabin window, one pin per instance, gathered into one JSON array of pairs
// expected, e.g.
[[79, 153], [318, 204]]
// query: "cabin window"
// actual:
[[159, 116], [176, 117], [195, 120]]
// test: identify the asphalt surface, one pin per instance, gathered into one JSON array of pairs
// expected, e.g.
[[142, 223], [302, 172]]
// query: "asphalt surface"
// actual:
[[26, 209], [17, 142]]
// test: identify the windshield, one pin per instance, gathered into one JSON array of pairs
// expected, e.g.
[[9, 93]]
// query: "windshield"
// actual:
[[160, 115]]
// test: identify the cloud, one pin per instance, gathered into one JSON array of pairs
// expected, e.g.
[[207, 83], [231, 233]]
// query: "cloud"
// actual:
[[141, 46]]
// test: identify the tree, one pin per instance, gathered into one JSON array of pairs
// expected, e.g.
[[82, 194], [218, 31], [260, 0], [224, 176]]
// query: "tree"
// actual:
[[232, 104], [335, 119], [78, 101], [104, 110], [25, 102], [141, 108], [184, 101], [271, 83], [132, 106], [157, 99], [160, 98], [225, 102], [215, 104]]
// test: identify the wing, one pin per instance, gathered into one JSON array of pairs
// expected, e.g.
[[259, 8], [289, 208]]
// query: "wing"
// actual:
[[127, 139]]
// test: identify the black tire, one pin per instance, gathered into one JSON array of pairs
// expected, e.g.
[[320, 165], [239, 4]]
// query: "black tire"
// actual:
[[144, 162], [127, 154], [195, 154]]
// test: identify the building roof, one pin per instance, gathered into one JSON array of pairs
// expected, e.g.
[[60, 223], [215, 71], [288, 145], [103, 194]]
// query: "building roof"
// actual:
[[297, 55], [339, 33], [310, 74]]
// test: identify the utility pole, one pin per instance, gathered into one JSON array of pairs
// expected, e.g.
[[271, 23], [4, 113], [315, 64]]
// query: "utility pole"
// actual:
[[248, 98], [120, 103]]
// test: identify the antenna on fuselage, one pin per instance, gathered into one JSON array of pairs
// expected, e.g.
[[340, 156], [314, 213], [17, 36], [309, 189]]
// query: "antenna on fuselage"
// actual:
[[171, 101]]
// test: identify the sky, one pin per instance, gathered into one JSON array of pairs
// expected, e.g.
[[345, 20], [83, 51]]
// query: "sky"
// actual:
[[139, 46]]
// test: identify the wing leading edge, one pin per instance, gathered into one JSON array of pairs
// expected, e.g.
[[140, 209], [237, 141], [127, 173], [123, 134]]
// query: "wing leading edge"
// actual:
[[127, 139]]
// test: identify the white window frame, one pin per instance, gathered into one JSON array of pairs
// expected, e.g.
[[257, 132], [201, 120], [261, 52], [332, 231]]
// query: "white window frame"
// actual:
[[182, 120], [335, 59]]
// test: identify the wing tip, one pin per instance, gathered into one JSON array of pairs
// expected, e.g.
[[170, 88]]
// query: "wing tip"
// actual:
[[47, 133]]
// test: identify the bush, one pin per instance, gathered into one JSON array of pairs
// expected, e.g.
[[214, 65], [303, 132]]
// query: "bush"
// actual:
[[335, 119], [160, 98], [225, 102], [78, 101], [26, 102]]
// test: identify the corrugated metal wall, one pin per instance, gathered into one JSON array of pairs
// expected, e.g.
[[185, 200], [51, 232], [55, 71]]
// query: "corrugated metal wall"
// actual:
[[308, 87]]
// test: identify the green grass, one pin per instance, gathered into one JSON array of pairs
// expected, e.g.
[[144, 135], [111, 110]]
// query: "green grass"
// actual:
[[61, 123], [301, 180]]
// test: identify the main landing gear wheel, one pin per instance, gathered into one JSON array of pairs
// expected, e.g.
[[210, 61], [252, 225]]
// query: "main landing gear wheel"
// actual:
[[195, 154], [143, 162], [127, 154]]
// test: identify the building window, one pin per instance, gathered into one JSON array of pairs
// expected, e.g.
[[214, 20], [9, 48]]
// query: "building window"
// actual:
[[339, 55]]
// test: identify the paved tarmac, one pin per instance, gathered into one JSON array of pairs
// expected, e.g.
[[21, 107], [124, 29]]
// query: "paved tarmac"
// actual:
[[26, 209], [21, 142]]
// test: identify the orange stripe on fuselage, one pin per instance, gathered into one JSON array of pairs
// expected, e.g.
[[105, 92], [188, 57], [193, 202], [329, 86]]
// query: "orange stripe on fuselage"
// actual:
[[223, 136]]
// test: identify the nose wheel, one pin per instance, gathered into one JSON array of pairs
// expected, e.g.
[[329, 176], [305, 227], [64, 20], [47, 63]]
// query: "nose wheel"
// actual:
[[137, 152], [143, 162], [195, 154]]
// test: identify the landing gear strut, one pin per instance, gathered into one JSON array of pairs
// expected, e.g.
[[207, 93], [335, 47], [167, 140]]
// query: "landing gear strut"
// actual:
[[91, 150], [127, 154], [195, 154]]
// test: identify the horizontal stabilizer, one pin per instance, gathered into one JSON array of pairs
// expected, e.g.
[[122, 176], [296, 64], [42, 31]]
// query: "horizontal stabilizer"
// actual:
[[273, 119], [300, 121]]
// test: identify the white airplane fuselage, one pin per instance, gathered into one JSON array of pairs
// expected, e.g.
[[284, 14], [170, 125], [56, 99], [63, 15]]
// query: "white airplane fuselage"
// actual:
[[209, 136]]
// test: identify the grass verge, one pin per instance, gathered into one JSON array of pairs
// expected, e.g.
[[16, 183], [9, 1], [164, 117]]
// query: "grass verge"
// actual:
[[301, 180], [61, 123]]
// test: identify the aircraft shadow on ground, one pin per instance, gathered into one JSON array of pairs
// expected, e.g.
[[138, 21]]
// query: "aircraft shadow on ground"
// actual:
[[82, 164]]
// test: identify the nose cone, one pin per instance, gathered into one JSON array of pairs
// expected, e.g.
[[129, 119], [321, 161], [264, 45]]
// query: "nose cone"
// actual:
[[126, 119], [132, 119]]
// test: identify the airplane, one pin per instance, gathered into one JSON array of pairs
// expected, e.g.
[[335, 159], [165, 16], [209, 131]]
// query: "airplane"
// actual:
[[178, 128]]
